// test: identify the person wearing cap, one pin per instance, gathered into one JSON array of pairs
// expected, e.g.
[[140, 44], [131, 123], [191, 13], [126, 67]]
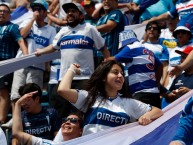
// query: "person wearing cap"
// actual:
[[183, 36], [182, 83], [77, 41], [183, 134], [10, 41], [38, 34], [110, 25], [71, 127], [89, 7], [144, 69], [37, 120]]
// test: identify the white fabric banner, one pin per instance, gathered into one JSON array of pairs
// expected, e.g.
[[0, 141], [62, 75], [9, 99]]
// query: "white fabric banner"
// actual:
[[128, 134]]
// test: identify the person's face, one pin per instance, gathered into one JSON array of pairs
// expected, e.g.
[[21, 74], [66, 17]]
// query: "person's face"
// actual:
[[30, 105], [109, 5], [74, 17], [71, 127], [40, 11], [183, 37], [89, 9], [4, 14], [115, 79], [172, 23], [152, 32]]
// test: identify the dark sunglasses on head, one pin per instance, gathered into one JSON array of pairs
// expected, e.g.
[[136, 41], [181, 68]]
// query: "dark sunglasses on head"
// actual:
[[37, 9], [72, 120], [151, 27]]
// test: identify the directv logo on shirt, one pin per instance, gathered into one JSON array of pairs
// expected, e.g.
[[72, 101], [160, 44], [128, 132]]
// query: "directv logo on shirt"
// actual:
[[38, 130], [39, 39], [111, 118]]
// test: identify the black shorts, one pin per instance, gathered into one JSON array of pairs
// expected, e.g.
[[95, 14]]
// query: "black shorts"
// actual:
[[6, 81]]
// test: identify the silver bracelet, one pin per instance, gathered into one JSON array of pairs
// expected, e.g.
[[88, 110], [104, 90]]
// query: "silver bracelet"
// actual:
[[70, 69]]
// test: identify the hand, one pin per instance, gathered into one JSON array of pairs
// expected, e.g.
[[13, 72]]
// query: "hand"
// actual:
[[172, 96], [38, 52], [176, 71], [183, 90], [76, 68], [35, 15], [26, 98], [145, 119]]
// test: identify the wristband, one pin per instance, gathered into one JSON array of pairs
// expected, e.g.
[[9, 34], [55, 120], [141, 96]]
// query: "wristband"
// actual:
[[72, 70]]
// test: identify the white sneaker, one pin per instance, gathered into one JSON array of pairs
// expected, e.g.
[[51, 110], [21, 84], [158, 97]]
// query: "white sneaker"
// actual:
[[8, 124]]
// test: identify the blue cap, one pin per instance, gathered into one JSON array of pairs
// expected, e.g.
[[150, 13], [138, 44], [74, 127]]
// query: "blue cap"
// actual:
[[127, 37], [41, 3]]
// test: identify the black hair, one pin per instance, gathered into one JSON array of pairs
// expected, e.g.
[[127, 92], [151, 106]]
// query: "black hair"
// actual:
[[80, 116], [96, 85], [38, 5], [5, 6], [153, 23], [30, 87]]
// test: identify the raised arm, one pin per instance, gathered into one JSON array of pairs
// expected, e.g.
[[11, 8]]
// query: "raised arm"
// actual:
[[64, 88], [161, 17], [26, 30], [17, 129], [184, 65]]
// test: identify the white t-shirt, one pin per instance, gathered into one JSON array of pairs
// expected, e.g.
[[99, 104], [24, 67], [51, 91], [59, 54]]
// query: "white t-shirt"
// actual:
[[76, 46], [108, 114], [3, 140], [38, 38]]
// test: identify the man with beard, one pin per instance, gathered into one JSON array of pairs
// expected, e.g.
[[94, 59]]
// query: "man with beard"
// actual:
[[76, 42]]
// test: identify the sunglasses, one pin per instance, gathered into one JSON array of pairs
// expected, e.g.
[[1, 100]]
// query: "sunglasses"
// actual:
[[72, 120], [4, 11], [151, 27]]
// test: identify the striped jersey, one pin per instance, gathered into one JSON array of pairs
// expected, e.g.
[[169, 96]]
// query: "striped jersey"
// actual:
[[183, 9], [141, 64], [159, 50]]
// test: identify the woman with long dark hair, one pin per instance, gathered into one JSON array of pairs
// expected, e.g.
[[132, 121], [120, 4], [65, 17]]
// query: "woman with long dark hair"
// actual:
[[105, 100]]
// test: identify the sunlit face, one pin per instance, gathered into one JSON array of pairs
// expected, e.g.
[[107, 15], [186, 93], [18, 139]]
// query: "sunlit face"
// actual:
[[71, 128], [115, 79], [152, 31], [30, 105], [4, 14], [74, 17], [109, 5]]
